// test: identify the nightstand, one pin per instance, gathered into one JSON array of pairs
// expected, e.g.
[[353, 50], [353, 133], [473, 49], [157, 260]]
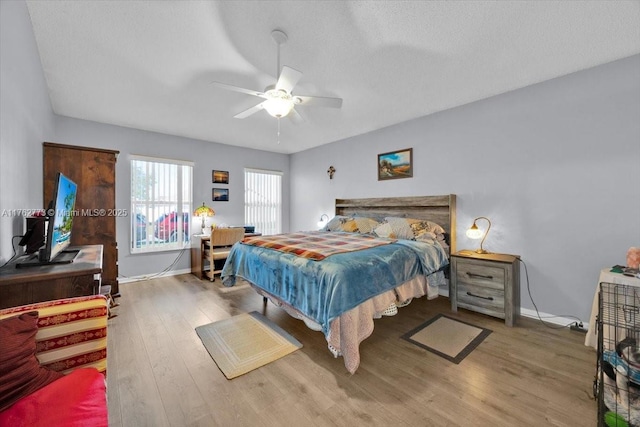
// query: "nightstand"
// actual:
[[486, 283]]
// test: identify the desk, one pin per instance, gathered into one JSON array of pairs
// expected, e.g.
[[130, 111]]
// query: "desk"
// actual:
[[606, 275], [20, 286], [198, 241]]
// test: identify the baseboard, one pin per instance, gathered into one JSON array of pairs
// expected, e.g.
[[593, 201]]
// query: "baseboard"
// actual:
[[548, 318], [551, 318], [153, 276]]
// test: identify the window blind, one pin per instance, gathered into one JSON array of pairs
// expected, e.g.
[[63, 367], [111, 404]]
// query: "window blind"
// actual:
[[263, 200], [160, 204]]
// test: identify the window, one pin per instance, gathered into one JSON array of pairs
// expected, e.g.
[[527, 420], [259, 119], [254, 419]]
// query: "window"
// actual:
[[160, 204], [263, 200]]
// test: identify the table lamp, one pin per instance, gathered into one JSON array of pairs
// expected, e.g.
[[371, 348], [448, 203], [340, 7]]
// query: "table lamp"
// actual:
[[203, 212], [475, 233], [324, 218]]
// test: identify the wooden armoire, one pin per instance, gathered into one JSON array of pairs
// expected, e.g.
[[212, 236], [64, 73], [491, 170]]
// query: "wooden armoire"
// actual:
[[94, 171]]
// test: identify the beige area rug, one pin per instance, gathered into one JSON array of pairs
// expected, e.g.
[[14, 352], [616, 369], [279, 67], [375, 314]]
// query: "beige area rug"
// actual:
[[449, 338], [245, 342]]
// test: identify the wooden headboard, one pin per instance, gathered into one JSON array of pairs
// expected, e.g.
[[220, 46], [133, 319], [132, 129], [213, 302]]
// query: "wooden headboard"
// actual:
[[438, 209]]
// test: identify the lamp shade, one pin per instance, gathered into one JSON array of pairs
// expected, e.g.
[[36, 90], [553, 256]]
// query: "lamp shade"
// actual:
[[278, 106], [324, 218], [203, 212], [475, 233]]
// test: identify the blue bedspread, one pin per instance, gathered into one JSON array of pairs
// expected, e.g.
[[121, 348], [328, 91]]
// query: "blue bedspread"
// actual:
[[322, 290]]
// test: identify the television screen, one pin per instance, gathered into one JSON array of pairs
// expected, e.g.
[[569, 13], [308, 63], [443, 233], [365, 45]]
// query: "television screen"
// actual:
[[60, 218]]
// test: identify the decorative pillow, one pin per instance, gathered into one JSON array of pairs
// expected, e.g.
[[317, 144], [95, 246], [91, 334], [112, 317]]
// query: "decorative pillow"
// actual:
[[336, 222], [427, 236], [406, 228], [77, 399], [357, 224], [384, 230], [365, 225], [20, 371], [419, 227]]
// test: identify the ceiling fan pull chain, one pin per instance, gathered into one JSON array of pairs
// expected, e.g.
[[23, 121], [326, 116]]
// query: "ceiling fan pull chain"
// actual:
[[278, 130]]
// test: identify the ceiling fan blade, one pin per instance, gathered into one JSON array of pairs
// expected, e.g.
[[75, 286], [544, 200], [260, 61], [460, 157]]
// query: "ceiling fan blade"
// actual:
[[250, 111], [288, 79], [295, 117], [319, 101], [239, 89]]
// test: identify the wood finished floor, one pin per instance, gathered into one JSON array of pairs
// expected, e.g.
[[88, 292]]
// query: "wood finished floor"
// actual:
[[159, 373]]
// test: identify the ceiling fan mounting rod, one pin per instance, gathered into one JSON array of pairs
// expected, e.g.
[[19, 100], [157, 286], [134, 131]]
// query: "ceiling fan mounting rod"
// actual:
[[280, 38]]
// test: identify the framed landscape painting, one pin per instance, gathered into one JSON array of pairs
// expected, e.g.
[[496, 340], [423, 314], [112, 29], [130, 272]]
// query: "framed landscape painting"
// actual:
[[220, 195], [220, 177], [395, 164]]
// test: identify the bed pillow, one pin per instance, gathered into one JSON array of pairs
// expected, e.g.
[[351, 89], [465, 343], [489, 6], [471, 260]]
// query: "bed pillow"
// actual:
[[20, 371], [356, 224], [366, 225], [336, 223], [407, 228]]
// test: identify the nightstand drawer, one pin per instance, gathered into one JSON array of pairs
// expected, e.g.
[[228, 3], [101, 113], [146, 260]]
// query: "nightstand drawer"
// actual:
[[485, 299], [480, 274]]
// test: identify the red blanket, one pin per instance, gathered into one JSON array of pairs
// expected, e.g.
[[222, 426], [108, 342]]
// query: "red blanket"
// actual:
[[316, 245]]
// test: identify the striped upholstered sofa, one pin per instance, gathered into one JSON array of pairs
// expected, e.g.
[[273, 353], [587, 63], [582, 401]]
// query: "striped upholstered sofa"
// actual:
[[66, 385]]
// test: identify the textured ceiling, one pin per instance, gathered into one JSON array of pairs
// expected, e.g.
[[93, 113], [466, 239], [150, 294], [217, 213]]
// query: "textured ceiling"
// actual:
[[148, 64]]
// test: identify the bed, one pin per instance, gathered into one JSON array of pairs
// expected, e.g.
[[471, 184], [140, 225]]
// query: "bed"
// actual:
[[373, 257]]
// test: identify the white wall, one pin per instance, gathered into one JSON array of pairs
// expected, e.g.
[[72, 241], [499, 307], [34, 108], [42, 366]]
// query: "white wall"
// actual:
[[25, 120], [206, 156], [555, 166]]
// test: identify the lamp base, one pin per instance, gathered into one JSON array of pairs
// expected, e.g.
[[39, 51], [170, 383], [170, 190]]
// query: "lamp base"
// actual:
[[481, 251]]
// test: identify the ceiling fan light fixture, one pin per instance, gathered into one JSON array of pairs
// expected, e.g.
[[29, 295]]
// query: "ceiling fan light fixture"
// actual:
[[278, 99], [279, 103]]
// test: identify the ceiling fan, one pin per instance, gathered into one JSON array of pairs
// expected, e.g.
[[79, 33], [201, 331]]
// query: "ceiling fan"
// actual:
[[278, 100]]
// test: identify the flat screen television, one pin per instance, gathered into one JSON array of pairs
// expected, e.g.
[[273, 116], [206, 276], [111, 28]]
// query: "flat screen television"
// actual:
[[60, 225]]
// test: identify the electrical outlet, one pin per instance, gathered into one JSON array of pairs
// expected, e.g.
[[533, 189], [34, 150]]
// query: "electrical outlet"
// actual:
[[578, 326]]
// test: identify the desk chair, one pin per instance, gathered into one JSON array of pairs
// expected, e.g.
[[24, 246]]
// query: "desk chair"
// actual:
[[218, 248]]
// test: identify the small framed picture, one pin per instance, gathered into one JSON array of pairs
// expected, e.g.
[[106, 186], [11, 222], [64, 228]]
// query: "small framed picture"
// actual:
[[395, 164], [220, 195], [220, 177]]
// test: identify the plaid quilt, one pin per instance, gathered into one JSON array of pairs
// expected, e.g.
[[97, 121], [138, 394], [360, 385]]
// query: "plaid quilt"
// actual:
[[316, 245]]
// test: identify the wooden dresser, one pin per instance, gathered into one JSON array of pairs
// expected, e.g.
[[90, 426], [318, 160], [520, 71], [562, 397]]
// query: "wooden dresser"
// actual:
[[20, 286], [94, 171], [486, 283]]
